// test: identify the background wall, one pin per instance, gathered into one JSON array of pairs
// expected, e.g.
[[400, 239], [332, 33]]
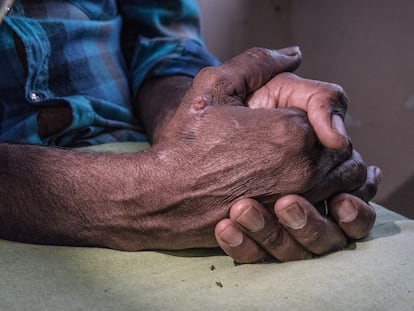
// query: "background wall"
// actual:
[[365, 46]]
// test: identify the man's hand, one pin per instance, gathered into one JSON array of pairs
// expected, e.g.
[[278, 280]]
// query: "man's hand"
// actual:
[[242, 152], [258, 79], [325, 104], [221, 153], [159, 98], [252, 233], [241, 77]]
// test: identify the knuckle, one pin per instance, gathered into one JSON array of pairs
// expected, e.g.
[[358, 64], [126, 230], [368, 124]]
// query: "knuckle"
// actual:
[[337, 94], [321, 240], [299, 149], [343, 160], [311, 239], [258, 53], [207, 75], [288, 125], [369, 191], [298, 126], [353, 175], [358, 171], [335, 89], [254, 55], [303, 153], [213, 82], [332, 96], [272, 239]]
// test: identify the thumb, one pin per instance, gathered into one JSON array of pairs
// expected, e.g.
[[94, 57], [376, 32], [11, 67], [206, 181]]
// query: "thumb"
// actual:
[[230, 82], [253, 68], [330, 129]]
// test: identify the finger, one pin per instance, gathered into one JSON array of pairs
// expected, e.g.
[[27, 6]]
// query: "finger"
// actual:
[[261, 226], [347, 176], [325, 104], [236, 244], [316, 233], [243, 74], [253, 68], [368, 190], [353, 215], [328, 126]]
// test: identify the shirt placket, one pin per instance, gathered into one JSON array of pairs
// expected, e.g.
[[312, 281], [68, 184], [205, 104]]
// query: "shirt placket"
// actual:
[[37, 48]]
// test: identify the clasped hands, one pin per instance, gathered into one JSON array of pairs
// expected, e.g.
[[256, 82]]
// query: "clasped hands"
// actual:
[[261, 148]]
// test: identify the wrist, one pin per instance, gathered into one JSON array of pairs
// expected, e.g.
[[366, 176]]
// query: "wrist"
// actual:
[[157, 101], [135, 208]]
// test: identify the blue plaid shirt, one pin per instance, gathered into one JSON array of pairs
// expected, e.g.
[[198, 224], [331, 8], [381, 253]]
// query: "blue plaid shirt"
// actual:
[[91, 56]]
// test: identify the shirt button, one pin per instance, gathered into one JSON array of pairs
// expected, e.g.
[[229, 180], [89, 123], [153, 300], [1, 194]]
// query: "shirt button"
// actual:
[[8, 10], [35, 97]]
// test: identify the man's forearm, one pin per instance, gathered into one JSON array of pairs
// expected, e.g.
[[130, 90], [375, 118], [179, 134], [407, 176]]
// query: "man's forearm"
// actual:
[[157, 101], [58, 196]]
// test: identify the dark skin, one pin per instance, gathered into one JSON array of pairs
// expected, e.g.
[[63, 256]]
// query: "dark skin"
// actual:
[[326, 100], [350, 214], [209, 151]]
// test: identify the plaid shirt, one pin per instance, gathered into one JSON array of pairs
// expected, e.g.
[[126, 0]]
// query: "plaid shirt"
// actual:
[[91, 55]]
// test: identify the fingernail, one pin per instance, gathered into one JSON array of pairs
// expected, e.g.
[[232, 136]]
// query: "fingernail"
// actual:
[[251, 219], [346, 211], [231, 236], [290, 51], [338, 125], [378, 174], [293, 216]]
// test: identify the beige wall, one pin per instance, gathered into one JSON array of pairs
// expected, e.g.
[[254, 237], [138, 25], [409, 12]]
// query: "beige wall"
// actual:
[[366, 46]]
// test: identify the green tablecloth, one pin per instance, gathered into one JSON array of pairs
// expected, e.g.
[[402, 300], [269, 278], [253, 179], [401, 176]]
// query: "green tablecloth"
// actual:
[[376, 273]]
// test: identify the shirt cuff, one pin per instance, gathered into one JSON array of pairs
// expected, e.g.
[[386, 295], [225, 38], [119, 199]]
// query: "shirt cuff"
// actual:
[[161, 57]]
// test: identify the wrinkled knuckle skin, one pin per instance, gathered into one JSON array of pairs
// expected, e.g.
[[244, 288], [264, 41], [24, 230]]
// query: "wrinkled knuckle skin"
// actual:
[[272, 239], [214, 84], [353, 175], [311, 239], [370, 190], [360, 172], [303, 136], [301, 150], [340, 156], [338, 95], [257, 53], [206, 76], [298, 126]]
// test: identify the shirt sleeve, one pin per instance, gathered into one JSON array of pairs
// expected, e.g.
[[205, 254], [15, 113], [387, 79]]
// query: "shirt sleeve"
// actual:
[[162, 38]]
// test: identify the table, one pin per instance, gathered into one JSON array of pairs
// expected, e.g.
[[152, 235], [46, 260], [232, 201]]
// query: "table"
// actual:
[[376, 273]]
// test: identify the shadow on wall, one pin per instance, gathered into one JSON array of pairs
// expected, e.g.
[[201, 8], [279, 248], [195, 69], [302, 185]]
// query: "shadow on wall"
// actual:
[[232, 26]]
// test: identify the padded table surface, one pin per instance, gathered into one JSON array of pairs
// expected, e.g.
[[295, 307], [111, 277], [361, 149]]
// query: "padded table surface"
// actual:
[[376, 273]]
